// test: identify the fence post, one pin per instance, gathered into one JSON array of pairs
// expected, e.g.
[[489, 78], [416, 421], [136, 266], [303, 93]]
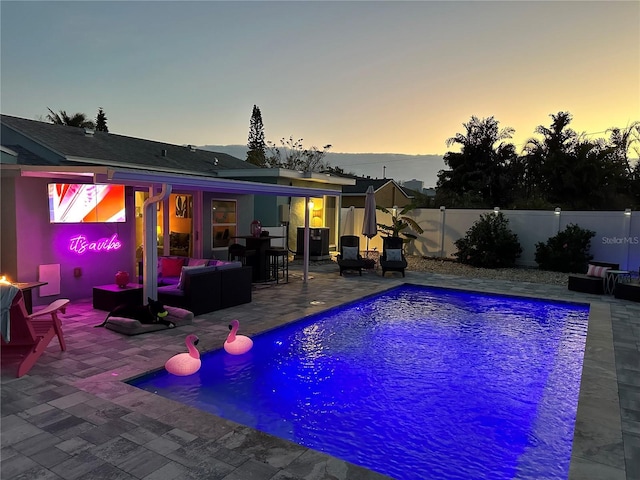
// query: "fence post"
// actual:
[[557, 214], [443, 210], [627, 217]]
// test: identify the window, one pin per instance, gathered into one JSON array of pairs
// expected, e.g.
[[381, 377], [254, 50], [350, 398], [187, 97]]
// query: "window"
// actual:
[[223, 221]]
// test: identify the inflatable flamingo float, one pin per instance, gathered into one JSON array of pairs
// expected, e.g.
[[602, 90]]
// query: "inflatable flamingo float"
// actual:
[[237, 344], [184, 364]]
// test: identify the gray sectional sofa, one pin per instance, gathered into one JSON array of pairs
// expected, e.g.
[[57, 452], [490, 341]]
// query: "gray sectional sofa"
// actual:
[[205, 288]]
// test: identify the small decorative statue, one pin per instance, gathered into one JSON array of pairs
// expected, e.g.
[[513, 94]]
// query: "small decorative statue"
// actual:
[[256, 228]]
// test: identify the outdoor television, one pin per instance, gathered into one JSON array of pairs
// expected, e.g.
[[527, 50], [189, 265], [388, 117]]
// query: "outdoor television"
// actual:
[[86, 203]]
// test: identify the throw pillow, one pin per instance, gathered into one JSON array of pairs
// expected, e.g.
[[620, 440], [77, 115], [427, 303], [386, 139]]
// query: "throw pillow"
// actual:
[[349, 253], [171, 267], [394, 255], [198, 262], [195, 269], [595, 271]]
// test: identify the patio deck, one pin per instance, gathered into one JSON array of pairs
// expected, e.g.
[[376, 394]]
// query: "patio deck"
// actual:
[[72, 417]]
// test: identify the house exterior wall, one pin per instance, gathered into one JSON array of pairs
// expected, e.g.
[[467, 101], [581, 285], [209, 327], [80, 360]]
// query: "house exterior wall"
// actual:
[[38, 242], [8, 236], [245, 215], [389, 195]]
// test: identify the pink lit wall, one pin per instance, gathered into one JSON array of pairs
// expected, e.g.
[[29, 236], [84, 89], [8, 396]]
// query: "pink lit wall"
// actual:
[[99, 250]]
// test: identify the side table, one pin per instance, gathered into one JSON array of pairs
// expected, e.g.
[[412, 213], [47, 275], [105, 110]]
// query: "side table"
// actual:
[[108, 297], [615, 276]]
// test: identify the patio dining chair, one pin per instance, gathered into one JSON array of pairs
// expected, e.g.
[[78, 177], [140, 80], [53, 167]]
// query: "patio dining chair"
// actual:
[[392, 258], [349, 257], [240, 253]]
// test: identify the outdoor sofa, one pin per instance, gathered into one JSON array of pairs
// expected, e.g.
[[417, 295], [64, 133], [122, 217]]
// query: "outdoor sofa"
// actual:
[[590, 283], [210, 286]]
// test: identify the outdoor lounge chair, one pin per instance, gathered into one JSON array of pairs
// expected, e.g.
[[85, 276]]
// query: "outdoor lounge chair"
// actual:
[[349, 257], [31, 334], [392, 258]]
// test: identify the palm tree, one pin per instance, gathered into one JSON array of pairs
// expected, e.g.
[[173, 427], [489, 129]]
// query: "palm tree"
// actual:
[[623, 140], [75, 120], [477, 173]]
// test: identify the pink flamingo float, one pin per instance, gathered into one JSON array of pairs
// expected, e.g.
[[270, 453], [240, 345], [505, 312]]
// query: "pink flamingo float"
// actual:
[[237, 344], [184, 364]]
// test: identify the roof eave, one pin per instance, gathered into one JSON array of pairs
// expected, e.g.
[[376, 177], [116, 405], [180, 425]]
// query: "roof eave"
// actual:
[[286, 173]]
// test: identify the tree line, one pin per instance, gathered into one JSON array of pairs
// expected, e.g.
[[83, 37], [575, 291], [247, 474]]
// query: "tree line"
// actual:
[[562, 169], [289, 153], [79, 120]]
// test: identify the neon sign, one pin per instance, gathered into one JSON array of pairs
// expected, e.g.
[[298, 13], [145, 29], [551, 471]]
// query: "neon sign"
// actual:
[[80, 244]]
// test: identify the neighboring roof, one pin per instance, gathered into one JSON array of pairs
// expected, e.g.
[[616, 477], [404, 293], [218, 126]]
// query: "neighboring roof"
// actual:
[[110, 149], [360, 188]]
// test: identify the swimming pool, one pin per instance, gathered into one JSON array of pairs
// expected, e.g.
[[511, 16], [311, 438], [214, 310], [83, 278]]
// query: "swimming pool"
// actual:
[[415, 383]]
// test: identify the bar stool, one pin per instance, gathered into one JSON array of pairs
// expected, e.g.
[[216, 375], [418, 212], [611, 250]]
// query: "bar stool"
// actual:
[[240, 253], [278, 263]]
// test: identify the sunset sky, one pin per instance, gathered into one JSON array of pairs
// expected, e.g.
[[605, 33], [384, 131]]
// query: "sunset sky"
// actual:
[[384, 76]]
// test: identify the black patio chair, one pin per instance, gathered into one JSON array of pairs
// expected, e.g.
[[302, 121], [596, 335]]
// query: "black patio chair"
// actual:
[[349, 257], [392, 258]]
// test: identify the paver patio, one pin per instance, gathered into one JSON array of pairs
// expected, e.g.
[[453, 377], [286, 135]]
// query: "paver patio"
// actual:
[[73, 417]]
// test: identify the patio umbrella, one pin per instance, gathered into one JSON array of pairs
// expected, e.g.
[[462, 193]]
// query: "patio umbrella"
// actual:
[[369, 227]]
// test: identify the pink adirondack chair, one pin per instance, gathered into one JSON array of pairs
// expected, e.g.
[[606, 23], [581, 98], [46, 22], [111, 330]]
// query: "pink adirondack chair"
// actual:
[[31, 334]]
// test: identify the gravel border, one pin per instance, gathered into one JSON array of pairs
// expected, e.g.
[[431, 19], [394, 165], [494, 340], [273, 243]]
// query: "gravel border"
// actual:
[[452, 267]]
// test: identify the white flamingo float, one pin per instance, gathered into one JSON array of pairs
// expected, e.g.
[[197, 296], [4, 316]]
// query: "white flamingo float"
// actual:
[[184, 364], [237, 344]]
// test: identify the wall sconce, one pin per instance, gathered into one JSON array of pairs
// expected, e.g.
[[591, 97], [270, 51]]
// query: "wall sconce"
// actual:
[[627, 211], [394, 210], [496, 210], [557, 210]]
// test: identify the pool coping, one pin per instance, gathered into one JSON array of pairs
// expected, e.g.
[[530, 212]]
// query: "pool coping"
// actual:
[[598, 418]]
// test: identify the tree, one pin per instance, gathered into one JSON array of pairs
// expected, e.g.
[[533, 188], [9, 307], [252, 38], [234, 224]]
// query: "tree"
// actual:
[[548, 161], [478, 173], [75, 120], [101, 121], [293, 156], [571, 171], [623, 140], [256, 154]]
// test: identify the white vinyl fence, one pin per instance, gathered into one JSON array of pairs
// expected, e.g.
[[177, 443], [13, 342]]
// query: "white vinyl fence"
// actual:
[[617, 238]]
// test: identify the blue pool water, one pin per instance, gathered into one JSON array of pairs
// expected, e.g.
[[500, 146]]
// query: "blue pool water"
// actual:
[[416, 383]]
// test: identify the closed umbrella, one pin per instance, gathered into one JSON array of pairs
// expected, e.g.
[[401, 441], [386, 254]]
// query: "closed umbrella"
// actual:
[[369, 226]]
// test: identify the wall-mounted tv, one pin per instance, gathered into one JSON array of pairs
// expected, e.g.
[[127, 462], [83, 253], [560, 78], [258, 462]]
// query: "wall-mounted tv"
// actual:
[[86, 203]]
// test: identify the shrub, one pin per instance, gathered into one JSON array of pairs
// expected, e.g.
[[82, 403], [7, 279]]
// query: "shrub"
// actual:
[[489, 243], [568, 251]]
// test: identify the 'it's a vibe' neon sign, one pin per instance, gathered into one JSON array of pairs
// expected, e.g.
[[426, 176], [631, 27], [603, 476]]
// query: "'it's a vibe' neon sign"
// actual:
[[80, 244]]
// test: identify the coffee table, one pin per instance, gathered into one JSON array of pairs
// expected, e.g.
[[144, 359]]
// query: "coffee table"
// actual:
[[108, 297], [612, 277]]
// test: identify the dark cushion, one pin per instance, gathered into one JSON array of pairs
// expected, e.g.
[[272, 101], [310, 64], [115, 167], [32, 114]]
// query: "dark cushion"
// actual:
[[129, 326], [627, 291], [174, 290]]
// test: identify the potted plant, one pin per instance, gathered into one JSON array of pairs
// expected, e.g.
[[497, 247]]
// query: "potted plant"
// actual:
[[401, 225]]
